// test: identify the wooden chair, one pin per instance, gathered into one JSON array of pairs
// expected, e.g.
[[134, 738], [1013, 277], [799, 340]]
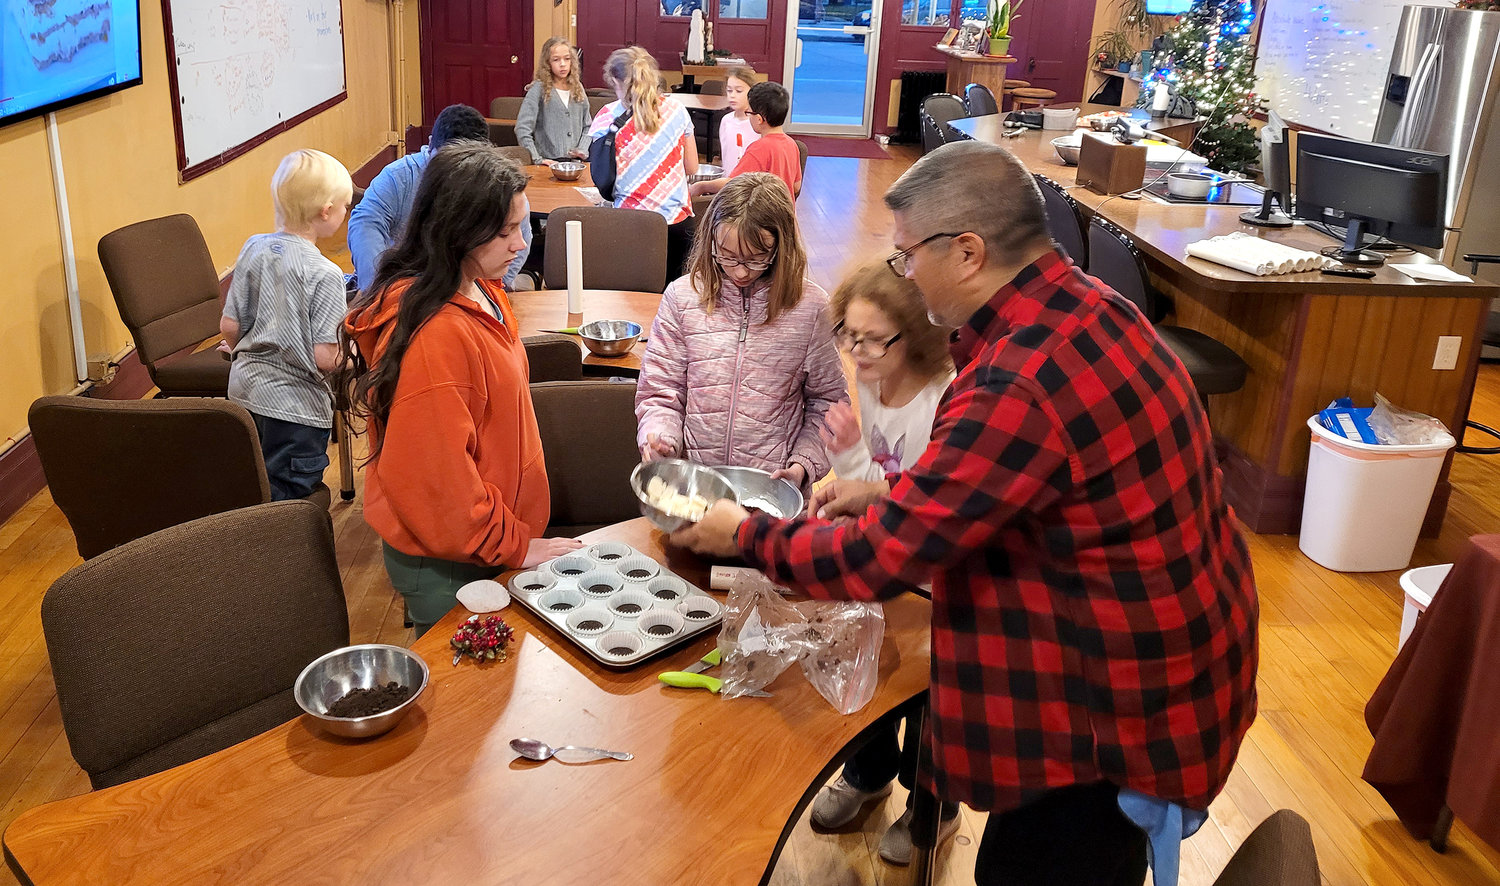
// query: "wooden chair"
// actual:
[[189, 640], [622, 248], [979, 100], [1213, 367], [1279, 852], [937, 110], [167, 291], [1064, 221], [588, 439], [123, 469]]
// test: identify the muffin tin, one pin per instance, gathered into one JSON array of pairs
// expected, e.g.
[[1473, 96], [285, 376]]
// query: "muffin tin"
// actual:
[[617, 604]]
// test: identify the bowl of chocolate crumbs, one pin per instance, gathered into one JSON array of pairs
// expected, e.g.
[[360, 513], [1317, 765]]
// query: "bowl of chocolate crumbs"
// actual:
[[361, 691]]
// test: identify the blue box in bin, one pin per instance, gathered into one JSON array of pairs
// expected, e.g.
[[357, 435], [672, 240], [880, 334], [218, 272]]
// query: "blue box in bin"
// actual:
[[1348, 421]]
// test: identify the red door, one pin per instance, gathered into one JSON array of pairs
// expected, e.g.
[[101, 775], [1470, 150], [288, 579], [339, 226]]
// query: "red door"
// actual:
[[1050, 44], [473, 51], [755, 31]]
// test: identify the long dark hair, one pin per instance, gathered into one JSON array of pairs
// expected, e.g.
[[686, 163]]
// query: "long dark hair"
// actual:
[[462, 203]]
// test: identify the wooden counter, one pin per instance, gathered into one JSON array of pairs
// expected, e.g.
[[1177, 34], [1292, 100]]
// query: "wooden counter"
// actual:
[[1308, 338], [974, 67]]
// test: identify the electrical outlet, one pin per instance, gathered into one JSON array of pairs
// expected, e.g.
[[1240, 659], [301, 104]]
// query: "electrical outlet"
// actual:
[[101, 371], [1446, 356]]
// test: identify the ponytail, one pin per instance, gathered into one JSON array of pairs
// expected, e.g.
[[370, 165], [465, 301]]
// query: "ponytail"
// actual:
[[635, 69]]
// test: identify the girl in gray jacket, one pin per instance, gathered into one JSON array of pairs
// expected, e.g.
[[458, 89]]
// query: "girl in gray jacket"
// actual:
[[553, 123]]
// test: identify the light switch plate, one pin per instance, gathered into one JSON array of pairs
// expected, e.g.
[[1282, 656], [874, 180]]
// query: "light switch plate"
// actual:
[[1446, 355]]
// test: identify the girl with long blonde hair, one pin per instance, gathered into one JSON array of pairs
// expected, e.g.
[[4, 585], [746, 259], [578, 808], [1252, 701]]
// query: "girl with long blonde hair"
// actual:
[[553, 123], [740, 368], [655, 151]]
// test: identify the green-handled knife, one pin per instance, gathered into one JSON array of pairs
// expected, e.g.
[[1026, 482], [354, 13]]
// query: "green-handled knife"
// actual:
[[711, 660], [571, 330], [685, 680]]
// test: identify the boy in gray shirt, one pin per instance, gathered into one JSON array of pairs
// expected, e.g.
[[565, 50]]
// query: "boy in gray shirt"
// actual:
[[281, 321]]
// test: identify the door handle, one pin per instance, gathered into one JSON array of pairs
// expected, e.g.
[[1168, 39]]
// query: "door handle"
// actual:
[[857, 30], [797, 62], [514, 59], [1031, 64]]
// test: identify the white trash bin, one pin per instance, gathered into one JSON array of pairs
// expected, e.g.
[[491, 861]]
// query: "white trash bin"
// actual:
[[1365, 502]]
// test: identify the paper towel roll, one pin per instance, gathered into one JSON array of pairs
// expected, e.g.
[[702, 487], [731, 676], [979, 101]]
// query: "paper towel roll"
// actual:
[[574, 237]]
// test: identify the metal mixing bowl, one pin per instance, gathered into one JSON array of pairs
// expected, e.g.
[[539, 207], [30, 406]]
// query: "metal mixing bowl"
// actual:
[[567, 171], [688, 478], [330, 677], [610, 338], [706, 172], [1067, 147], [757, 489]]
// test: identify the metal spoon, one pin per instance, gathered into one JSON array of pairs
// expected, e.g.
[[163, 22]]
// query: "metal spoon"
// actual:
[[532, 749]]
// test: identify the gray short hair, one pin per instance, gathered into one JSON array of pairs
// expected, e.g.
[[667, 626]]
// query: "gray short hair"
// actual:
[[973, 186]]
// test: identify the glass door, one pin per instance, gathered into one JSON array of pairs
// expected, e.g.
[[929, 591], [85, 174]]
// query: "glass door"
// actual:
[[830, 61]]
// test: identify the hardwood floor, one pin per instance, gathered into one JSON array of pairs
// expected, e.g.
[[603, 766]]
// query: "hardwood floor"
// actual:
[[1327, 638]]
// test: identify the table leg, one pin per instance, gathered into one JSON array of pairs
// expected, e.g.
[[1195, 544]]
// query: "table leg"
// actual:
[[924, 810], [346, 456], [1439, 839]]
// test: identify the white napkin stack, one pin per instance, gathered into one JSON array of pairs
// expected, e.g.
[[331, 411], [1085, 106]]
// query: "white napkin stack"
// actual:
[[1432, 273], [1251, 254]]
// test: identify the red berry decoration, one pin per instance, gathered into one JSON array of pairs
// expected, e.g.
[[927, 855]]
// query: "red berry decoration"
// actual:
[[481, 638]]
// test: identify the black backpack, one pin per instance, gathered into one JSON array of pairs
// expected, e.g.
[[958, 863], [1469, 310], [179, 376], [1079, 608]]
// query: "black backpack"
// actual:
[[602, 158]]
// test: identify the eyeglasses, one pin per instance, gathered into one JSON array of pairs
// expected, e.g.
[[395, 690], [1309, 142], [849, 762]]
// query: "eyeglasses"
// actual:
[[872, 348], [898, 261], [756, 265]]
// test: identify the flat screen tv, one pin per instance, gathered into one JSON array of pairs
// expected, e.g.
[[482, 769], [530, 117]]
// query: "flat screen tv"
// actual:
[[55, 53], [1167, 7]]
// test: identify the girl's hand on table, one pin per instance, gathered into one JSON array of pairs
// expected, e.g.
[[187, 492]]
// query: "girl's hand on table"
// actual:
[[714, 535], [543, 549], [840, 430]]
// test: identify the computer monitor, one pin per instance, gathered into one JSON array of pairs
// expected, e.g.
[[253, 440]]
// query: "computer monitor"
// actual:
[[1276, 170], [1355, 187]]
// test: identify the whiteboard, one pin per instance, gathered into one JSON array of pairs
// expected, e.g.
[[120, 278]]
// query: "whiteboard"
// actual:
[[244, 70], [1323, 63]]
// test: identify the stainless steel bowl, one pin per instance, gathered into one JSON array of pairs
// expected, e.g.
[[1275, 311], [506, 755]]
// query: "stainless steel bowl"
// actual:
[[1067, 148], [567, 171], [757, 489], [330, 677], [688, 478], [706, 172], [610, 338]]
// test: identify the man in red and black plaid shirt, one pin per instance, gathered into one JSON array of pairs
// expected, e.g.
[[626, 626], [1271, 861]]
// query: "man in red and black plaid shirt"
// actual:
[[1094, 612]]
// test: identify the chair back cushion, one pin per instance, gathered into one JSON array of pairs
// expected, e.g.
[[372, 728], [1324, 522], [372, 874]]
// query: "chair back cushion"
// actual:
[[506, 107], [189, 640], [1279, 852], [801, 156], [164, 284], [588, 439], [516, 153], [979, 100], [1114, 261], [553, 357], [622, 248], [121, 469], [1063, 221]]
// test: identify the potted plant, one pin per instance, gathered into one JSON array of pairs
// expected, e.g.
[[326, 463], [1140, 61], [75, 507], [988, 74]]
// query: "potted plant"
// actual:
[[1001, 14]]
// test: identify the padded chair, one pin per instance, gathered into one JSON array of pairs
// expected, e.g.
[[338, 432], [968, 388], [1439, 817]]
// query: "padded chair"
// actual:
[[505, 107], [122, 469], [597, 102], [1213, 367], [622, 248], [1490, 338], [937, 110], [588, 438], [516, 153], [714, 86], [600, 92], [167, 291], [979, 100], [1064, 221], [801, 156], [190, 640], [1279, 852], [553, 357]]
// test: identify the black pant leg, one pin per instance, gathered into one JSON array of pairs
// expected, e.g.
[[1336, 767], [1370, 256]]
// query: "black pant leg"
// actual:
[[1075, 835]]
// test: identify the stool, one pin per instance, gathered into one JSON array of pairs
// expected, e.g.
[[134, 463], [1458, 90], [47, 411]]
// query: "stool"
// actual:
[[1026, 96], [1419, 584], [1016, 84]]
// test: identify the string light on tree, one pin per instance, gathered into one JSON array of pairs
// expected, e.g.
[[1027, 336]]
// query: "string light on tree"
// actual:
[[1211, 61]]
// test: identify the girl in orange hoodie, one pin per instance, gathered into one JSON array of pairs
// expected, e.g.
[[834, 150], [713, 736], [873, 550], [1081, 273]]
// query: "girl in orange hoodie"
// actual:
[[455, 485]]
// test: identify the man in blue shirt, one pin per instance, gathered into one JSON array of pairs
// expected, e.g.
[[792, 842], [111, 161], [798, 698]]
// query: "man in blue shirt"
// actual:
[[376, 222]]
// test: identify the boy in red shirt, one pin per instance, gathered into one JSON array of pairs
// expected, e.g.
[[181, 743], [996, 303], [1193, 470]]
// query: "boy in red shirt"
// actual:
[[774, 151]]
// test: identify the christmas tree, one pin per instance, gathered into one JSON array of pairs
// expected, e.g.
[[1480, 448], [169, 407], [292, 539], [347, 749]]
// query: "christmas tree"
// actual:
[[1212, 62]]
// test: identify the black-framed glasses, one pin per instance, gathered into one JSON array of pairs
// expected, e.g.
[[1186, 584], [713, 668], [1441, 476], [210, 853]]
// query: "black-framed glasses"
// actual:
[[871, 347], [755, 264], [897, 261]]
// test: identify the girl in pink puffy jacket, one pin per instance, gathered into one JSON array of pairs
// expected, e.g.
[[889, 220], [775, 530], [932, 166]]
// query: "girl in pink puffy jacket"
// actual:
[[741, 367]]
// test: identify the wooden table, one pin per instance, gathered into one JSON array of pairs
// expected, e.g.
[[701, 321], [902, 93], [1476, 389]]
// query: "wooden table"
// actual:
[[547, 309], [715, 786], [1308, 338], [975, 67], [714, 107], [547, 193]]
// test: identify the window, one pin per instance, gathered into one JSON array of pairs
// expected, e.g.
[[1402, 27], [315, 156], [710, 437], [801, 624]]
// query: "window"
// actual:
[[742, 9], [928, 13], [973, 10]]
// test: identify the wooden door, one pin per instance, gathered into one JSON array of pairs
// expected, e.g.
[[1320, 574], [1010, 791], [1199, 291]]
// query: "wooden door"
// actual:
[[473, 51], [1051, 44]]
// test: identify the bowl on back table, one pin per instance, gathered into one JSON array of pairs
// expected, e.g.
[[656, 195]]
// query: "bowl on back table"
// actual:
[[567, 170], [610, 338]]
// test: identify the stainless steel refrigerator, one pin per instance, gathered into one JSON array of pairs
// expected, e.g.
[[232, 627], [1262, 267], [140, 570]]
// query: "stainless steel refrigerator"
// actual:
[[1443, 94]]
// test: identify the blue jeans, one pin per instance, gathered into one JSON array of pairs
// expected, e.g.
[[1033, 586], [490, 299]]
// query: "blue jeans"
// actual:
[[295, 455]]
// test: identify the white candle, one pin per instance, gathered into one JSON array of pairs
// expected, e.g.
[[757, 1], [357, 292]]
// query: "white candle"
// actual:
[[1160, 98], [574, 237]]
